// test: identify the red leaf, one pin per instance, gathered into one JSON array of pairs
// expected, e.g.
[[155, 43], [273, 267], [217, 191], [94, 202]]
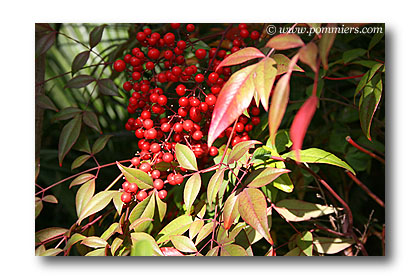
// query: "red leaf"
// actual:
[[301, 122], [325, 45], [241, 56], [285, 41], [234, 98], [170, 252]]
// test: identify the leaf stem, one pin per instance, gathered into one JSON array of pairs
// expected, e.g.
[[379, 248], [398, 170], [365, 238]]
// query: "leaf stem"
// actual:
[[354, 144]]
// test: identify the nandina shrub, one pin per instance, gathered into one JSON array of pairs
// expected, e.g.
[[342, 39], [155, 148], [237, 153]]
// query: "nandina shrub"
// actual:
[[214, 143]]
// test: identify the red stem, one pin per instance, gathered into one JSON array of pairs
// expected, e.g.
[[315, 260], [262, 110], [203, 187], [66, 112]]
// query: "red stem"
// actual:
[[343, 78], [354, 144], [365, 188]]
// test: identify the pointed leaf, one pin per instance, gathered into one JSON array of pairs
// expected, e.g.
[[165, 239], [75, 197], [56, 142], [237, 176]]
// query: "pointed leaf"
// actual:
[[353, 54], [68, 137], [94, 242], [50, 199], [79, 61], [369, 101], [314, 155], [185, 157], [108, 87], [79, 161], [48, 233], [80, 81], [191, 190], [230, 210], [232, 250], [138, 210], [113, 228], [253, 210], [305, 243], [96, 253], [73, 239], [45, 102], [297, 210], [301, 123], [195, 228], [204, 232], [91, 120], [139, 221], [38, 206], [264, 79], [283, 64], [161, 206], [133, 175], [285, 41], [100, 143], [264, 176], [328, 245], [95, 35], [241, 56], [43, 44], [280, 100], [175, 227], [84, 195], [325, 44], [171, 252], [233, 99], [308, 55], [367, 77], [142, 236], [214, 185], [116, 199], [148, 212], [213, 252], [241, 149], [96, 204], [81, 179], [52, 252], [115, 245], [183, 244], [295, 252], [66, 113]]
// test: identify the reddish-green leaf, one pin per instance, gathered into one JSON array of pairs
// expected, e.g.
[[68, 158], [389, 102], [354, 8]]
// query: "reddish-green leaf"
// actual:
[[142, 236], [214, 185], [91, 120], [232, 250], [113, 228], [139, 221], [240, 149], [369, 101], [50, 199], [230, 210], [43, 27], [68, 137], [66, 113], [191, 190], [183, 244], [148, 212], [45, 102], [233, 99], [195, 228], [43, 44], [96, 204], [74, 239], [185, 157], [283, 63], [308, 55], [265, 176], [84, 195], [108, 87], [325, 44], [204, 232], [241, 56], [94, 242], [171, 252], [285, 41], [100, 143], [79, 61], [82, 144], [253, 210], [175, 227], [51, 252], [96, 253], [115, 245], [79, 161], [95, 35], [213, 252], [116, 199], [328, 245], [48, 233], [81, 179], [161, 207], [133, 175], [264, 79], [138, 210], [301, 123], [280, 100], [38, 206], [297, 210], [80, 81]]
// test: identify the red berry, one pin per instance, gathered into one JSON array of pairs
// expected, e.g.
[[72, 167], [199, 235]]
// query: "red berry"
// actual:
[[145, 115], [178, 127], [126, 197], [162, 194], [125, 186], [150, 65], [133, 187], [155, 174], [213, 151], [162, 100], [242, 26], [150, 133], [119, 65], [239, 127], [135, 161], [190, 27], [255, 120], [167, 157], [197, 135], [255, 111], [158, 184], [211, 99], [200, 53], [187, 125], [169, 38], [244, 33], [165, 127], [148, 124], [181, 44], [180, 90], [199, 78], [141, 36], [145, 167], [178, 178], [141, 195], [155, 148], [153, 53], [255, 35], [175, 25], [127, 86], [213, 77]]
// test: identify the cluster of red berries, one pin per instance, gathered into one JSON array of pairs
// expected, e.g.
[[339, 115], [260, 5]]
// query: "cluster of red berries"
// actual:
[[173, 99]]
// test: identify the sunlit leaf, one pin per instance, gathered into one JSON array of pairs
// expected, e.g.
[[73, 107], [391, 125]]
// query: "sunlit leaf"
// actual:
[[264, 176], [191, 190], [115, 245], [264, 79], [171, 252], [48, 233], [214, 185], [79, 161], [113, 228], [232, 250], [195, 228], [230, 210], [161, 207], [233, 99], [185, 157], [38, 206], [297, 210], [253, 210], [94, 242], [142, 236], [204, 232], [148, 212], [96, 204], [308, 55], [241, 149], [175, 227], [52, 252], [81, 179], [133, 175], [84, 195], [283, 63], [96, 253], [73, 240], [285, 41], [213, 252], [328, 245], [68, 137], [183, 244], [241, 56], [368, 103]]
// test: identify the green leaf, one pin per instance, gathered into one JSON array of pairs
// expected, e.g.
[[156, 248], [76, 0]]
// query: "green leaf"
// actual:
[[230, 210], [45, 102], [38, 206], [82, 144], [213, 252], [113, 228], [295, 252], [369, 101], [183, 244], [79, 61], [52, 252], [214, 185], [264, 176], [283, 64], [241, 149], [48, 233], [73, 240], [191, 190], [84, 195], [161, 206], [175, 227], [107, 87], [204, 232], [367, 77], [149, 212], [43, 44], [185, 157], [133, 175], [50, 199], [66, 113], [142, 236], [138, 210], [305, 243], [281, 142], [81, 179], [314, 155], [253, 210], [96, 253], [79, 161], [353, 54], [94, 242], [95, 35], [68, 137], [232, 250], [96, 204], [100, 143], [139, 221], [325, 45], [142, 248], [80, 81], [296, 210], [195, 228], [91, 120], [264, 79], [115, 245], [377, 37], [328, 245]]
